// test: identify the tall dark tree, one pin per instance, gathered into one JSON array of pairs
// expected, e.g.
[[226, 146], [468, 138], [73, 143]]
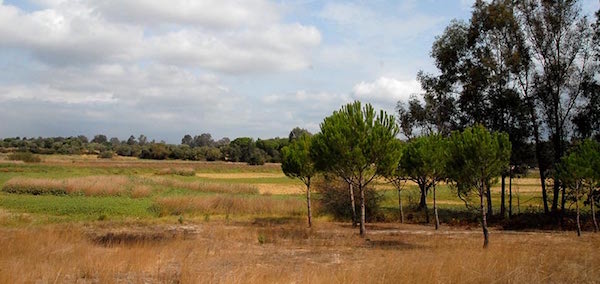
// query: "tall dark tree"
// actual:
[[187, 140], [559, 39]]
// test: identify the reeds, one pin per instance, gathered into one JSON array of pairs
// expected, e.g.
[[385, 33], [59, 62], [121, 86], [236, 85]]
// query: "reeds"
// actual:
[[230, 204], [207, 187], [88, 186]]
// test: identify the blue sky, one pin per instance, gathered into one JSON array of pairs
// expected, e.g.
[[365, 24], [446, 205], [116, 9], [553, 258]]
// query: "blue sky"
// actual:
[[253, 68]]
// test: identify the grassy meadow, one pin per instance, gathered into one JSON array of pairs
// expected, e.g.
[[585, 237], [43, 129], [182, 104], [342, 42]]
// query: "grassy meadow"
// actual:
[[81, 219]]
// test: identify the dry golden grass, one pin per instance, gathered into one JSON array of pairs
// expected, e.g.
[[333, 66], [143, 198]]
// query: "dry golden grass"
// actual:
[[141, 191], [177, 171], [89, 186], [239, 175], [206, 187], [272, 188], [228, 204], [290, 253]]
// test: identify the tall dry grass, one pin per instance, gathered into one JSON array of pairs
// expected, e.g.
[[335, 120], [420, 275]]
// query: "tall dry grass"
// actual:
[[206, 187], [328, 253], [177, 171], [88, 186], [229, 204]]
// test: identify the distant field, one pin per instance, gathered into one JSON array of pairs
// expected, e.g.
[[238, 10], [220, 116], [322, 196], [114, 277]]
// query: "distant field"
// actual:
[[129, 220]]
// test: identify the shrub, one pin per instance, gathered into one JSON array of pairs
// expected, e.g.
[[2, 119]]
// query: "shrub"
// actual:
[[257, 157], [26, 157], [105, 155], [335, 200]]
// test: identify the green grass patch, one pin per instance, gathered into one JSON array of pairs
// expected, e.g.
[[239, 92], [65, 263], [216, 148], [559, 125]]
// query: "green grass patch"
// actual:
[[78, 207]]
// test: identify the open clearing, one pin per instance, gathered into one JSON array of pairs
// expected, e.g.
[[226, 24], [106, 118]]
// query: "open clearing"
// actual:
[[74, 219]]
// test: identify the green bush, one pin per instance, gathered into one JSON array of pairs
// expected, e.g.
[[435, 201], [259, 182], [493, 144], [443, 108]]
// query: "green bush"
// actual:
[[105, 155], [334, 199], [26, 157]]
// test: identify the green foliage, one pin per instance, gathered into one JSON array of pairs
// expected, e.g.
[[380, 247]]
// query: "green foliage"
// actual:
[[355, 143], [581, 168], [105, 155], [297, 162], [26, 157], [476, 158], [257, 157]]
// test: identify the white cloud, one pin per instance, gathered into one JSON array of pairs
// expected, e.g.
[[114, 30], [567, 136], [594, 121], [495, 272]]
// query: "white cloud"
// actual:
[[225, 36], [386, 91]]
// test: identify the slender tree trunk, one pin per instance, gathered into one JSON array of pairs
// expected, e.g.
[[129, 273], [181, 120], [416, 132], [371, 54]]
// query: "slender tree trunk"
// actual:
[[308, 203], [351, 190], [503, 197], [544, 193], [363, 230], [483, 217], [577, 208], [510, 193], [538, 154], [592, 207], [423, 202], [435, 211], [400, 206], [489, 199]]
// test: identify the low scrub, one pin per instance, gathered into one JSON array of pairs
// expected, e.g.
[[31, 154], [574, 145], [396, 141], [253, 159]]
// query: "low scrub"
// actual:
[[228, 204], [177, 171], [88, 186], [334, 199], [207, 187], [26, 157]]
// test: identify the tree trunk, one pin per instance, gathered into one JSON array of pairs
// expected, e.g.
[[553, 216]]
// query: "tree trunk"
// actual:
[[308, 203], [577, 208], [538, 154], [354, 219], [489, 200], [400, 207], [435, 211], [596, 229], [510, 193], [483, 217], [502, 197], [423, 200], [363, 230]]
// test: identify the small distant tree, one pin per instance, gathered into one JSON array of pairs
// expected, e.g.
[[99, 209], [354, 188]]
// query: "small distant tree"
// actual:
[[297, 163], [580, 171], [476, 157], [296, 133], [187, 140], [423, 161], [131, 140], [354, 143], [394, 175], [100, 139]]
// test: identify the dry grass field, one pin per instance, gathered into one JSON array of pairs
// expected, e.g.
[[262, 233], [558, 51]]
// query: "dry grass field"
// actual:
[[259, 252], [73, 219]]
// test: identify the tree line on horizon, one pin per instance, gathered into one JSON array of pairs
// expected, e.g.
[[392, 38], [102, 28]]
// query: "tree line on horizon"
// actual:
[[194, 148]]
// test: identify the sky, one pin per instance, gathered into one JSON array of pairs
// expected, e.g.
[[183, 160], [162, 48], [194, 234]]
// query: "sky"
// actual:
[[254, 68]]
